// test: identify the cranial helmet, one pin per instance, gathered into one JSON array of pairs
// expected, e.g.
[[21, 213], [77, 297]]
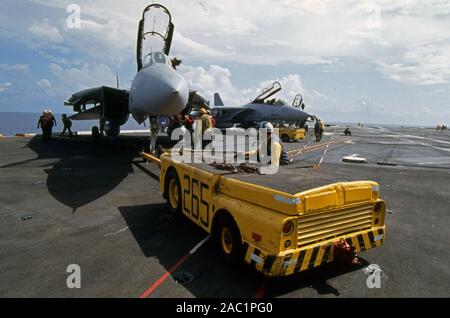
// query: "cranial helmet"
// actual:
[[266, 125]]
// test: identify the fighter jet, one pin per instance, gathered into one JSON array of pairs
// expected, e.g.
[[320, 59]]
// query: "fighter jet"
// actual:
[[262, 108], [157, 89]]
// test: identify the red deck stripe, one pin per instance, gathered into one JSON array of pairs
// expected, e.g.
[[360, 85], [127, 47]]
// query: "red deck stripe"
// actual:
[[161, 280], [166, 275], [262, 289]]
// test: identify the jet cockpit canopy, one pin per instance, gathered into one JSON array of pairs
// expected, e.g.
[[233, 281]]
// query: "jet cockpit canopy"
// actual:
[[298, 101], [267, 93], [154, 35]]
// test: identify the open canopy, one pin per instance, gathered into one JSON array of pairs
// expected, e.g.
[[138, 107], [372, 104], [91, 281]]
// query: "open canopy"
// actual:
[[267, 93], [155, 32]]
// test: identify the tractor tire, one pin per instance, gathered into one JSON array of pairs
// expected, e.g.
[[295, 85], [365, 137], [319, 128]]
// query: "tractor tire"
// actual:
[[173, 192]]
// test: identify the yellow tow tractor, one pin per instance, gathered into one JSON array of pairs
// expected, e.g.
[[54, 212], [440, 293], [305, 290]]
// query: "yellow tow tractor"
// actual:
[[279, 228], [294, 134]]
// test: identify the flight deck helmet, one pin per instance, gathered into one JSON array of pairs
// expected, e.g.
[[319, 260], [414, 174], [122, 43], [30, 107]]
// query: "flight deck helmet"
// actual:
[[266, 125]]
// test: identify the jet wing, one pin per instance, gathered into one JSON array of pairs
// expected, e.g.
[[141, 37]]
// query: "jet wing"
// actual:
[[107, 101], [88, 96], [235, 114], [242, 115], [95, 96], [90, 114]]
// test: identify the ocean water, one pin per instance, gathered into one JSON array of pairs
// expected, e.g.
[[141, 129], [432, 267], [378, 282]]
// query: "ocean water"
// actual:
[[26, 123]]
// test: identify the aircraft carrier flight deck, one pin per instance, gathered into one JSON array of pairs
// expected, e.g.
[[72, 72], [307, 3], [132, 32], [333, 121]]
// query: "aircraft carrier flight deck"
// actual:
[[99, 206]]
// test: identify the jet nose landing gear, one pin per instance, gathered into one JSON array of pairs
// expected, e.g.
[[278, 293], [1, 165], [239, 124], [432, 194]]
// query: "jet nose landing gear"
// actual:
[[112, 130]]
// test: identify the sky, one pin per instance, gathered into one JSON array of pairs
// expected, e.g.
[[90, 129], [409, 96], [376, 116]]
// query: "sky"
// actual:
[[385, 61]]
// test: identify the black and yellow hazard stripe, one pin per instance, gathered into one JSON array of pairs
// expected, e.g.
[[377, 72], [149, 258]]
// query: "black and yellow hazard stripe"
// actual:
[[253, 256], [286, 264], [326, 255], [268, 263], [301, 258], [245, 250], [365, 241], [313, 258], [307, 258], [362, 244], [381, 237]]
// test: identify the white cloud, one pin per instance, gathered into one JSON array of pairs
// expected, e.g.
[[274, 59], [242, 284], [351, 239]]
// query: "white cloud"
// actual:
[[195, 48], [271, 32], [72, 79], [60, 60], [15, 68], [435, 92], [219, 79], [5, 86], [45, 85], [422, 65], [106, 41], [214, 79], [46, 31], [409, 45]]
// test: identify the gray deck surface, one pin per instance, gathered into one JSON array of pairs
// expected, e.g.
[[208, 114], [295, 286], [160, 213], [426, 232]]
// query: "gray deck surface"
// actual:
[[97, 206]]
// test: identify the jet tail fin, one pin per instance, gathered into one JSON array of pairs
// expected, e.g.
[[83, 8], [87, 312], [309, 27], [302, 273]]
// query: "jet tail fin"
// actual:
[[218, 100]]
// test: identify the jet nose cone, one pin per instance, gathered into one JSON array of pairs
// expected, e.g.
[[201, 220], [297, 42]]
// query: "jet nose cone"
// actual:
[[158, 91], [177, 97]]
